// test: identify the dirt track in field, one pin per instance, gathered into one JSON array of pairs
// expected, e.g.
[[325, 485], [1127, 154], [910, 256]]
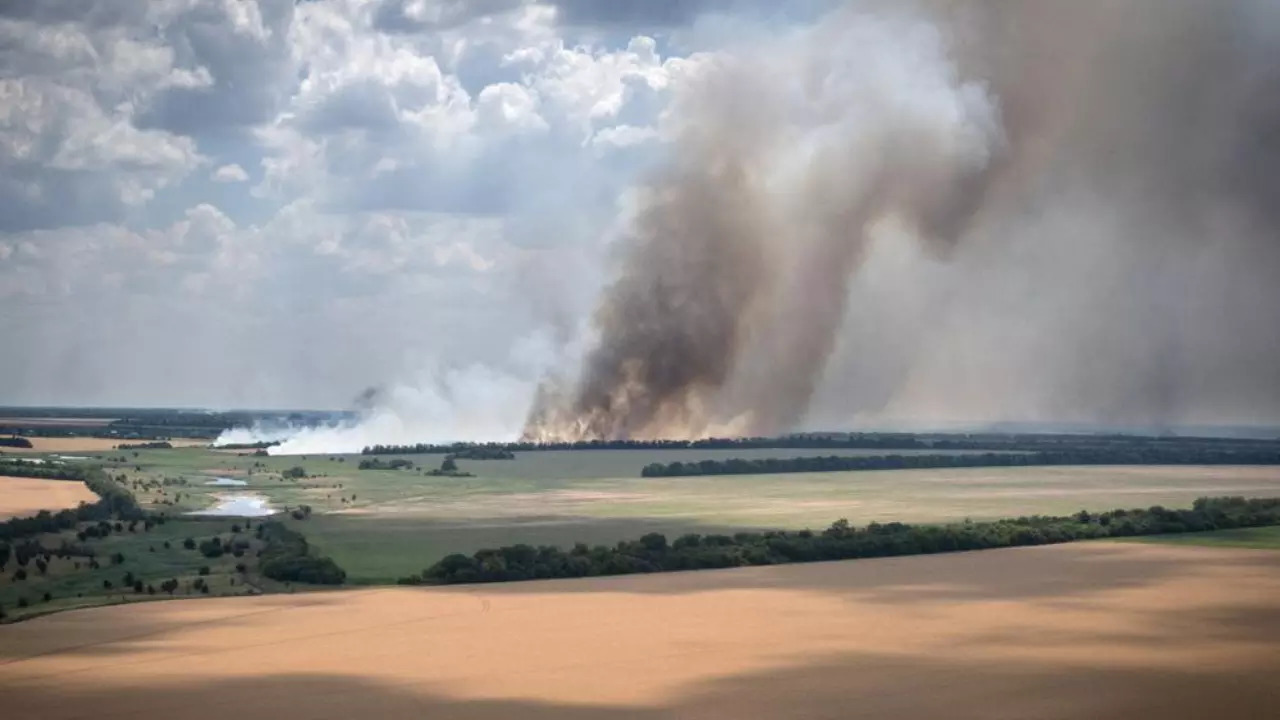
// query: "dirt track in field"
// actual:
[[1081, 631], [21, 496]]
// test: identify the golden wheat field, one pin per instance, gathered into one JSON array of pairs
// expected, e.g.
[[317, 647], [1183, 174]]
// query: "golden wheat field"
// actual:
[[85, 444], [20, 496], [1089, 630]]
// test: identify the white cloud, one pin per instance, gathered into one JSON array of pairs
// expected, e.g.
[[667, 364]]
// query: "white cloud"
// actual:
[[232, 173], [240, 197]]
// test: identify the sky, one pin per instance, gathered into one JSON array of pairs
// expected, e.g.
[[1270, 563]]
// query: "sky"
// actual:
[[280, 204]]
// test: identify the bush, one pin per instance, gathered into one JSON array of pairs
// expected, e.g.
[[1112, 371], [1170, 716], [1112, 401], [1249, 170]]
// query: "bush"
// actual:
[[287, 558], [211, 548], [204, 570]]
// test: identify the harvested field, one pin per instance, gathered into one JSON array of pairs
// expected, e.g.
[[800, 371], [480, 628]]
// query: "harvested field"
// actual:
[[20, 496], [90, 444], [1091, 630]]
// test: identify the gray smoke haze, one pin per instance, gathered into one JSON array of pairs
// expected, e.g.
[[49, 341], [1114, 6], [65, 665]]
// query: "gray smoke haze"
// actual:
[[952, 211]]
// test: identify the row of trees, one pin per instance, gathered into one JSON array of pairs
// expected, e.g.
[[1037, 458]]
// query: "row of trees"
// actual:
[[43, 471], [15, 442], [114, 501], [287, 557], [157, 445], [841, 463], [507, 450], [392, 464], [841, 541], [869, 441]]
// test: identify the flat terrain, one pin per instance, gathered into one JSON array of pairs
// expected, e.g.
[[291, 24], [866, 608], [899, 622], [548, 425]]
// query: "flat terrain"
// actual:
[[20, 496], [1091, 630], [83, 444], [380, 525], [1267, 538]]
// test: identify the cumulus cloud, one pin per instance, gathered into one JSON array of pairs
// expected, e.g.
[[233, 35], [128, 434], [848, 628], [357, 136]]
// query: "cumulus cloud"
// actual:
[[229, 174], [280, 203]]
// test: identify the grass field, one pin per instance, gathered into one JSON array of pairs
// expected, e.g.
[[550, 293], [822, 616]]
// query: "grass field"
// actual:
[[1263, 538], [382, 525], [1090, 630], [150, 556], [20, 496]]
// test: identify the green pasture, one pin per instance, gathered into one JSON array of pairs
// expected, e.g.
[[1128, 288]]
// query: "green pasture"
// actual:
[[1261, 538], [383, 524], [73, 583]]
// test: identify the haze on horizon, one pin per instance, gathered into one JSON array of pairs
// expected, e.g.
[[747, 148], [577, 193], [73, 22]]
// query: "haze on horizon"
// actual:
[[656, 218]]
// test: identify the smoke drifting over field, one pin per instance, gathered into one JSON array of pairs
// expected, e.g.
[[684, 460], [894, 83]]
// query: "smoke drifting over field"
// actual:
[[1040, 211]]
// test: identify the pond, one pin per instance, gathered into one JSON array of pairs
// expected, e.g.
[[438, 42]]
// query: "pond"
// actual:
[[227, 482], [238, 506]]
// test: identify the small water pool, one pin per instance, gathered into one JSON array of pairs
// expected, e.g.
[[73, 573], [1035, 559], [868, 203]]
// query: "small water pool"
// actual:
[[227, 482], [238, 506]]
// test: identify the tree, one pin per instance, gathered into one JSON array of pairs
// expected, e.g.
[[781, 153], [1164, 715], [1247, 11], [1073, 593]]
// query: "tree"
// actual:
[[204, 570], [211, 548], [42, 566], [21, 574], [5, 552], [189, 543], [47, 597], [449, 465], [137, 586], [169, 586]]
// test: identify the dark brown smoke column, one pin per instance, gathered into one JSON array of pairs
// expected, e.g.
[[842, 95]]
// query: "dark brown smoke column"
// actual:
[[1111, 235], [694, 267]]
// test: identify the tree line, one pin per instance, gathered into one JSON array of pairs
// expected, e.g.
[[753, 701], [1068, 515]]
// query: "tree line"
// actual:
[[847, 441], [157, 445], [114, 501], [15, 442], [841, 541], [287, 557], [23, 468], [843, 463]]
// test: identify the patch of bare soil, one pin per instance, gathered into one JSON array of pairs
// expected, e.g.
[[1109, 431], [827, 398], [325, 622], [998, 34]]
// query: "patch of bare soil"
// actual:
[[22, 496], [1091, 630]]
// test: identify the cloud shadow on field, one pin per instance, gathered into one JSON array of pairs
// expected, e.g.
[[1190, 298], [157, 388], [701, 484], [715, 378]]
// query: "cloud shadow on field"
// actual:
[[853, 685], [1145, 665], [104, 631]]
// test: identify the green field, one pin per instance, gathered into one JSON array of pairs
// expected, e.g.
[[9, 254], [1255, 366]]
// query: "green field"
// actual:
[[1263, 538], [150, 556], [384, 524]]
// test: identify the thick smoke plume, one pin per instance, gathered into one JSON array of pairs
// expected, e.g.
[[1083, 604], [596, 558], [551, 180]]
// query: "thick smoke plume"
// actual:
[[1085, 195]]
